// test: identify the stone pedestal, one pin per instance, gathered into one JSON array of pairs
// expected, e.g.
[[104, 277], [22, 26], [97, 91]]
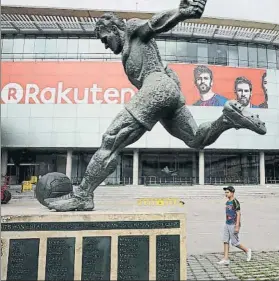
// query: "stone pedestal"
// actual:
[[93, 246]]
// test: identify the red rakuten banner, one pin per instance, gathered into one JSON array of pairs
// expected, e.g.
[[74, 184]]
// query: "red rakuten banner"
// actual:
[[106, 83]]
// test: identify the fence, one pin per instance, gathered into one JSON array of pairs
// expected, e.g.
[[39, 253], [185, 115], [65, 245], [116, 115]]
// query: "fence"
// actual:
[[272, 180], [231, 180], [154, 180]]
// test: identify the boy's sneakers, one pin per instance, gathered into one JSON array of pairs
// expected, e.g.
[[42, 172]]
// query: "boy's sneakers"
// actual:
[[249, 254], [224, 262], [227, 262]]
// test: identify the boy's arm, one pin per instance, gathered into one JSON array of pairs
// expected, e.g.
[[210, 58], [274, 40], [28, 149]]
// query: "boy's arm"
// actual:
[[238, 215], [237, 224]]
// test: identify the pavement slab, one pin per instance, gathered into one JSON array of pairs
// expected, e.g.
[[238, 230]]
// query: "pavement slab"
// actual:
[[263, 266]]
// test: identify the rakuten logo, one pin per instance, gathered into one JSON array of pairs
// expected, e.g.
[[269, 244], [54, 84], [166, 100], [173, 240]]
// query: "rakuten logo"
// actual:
[[31, 93], [12, 93]]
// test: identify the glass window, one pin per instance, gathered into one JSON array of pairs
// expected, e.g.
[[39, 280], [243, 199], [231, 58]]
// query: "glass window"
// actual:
[[218, 54], [277, 55], [18, 48], [96, 46], [51, 49], [62, 44], [7, 45], [203, 53], [28, 50], [40, 45], [222, 54], [83, 47], [7, 48], [243, 55], [262, 57], [253, 56], [39, 50], [231, 168], [233, 55], [271, 58], [212, 49], [72, 48], [181, 51], [171, 50], [272, 167], [192, 52], [97, 50], [29, 45]]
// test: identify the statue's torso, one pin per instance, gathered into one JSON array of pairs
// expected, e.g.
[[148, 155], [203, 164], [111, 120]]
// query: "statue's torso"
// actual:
[[140, 59]]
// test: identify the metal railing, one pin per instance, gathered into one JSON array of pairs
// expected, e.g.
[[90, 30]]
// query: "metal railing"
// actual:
[[272, 180], [155, 180], [231, 180], [108, 181]]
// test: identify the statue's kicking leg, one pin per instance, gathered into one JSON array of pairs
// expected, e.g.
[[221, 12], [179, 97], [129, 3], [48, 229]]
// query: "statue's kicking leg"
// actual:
[[183, 126], [123, 131]]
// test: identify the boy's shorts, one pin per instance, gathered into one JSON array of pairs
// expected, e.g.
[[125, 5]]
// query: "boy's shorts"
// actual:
[[230, 235]]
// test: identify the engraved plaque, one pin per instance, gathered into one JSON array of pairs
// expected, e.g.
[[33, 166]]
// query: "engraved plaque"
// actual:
[[168, 257], [88, 225], [133, 258], [23, 259], [96, 258], [60, 259]]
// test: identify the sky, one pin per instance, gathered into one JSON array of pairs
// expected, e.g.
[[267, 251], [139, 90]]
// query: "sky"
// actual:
[[254, 10]]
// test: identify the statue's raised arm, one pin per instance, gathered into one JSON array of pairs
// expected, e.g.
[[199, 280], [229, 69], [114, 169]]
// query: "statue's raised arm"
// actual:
[[165, 21]]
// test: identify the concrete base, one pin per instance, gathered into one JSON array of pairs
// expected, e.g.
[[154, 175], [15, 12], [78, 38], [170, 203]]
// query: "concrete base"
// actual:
[[93, 246]]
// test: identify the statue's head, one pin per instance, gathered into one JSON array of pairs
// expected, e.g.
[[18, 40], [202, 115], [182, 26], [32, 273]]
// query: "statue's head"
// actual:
[[110, 29]]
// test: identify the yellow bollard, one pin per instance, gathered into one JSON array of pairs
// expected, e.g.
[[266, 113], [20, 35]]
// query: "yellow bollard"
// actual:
[[26, 186], [33, 179], [159, 202]]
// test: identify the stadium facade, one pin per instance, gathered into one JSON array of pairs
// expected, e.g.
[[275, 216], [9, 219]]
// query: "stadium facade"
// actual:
[[61, 89]]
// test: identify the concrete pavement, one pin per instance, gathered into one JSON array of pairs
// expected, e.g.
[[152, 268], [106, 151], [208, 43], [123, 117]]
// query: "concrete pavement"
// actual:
[[205, 209]]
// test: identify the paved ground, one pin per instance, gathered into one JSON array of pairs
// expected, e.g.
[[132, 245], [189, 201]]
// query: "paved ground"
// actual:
[[263, 266], [204, 206]]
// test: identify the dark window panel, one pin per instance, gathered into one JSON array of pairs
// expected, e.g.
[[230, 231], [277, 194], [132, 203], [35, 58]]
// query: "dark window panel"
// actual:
[[203, 53], [253, 56], [181, 53], [243, 55], [271, 58], [233, 55], [192, 52], [18, 48], [262, 57]]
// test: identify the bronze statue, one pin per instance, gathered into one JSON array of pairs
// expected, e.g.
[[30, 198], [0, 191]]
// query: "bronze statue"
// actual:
[[159, 99]]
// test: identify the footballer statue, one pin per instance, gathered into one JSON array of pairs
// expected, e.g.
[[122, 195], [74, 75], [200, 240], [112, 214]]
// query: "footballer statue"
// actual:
[[159, 99]]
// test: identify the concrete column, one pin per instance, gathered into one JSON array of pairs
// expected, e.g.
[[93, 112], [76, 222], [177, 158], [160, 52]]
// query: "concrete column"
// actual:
[[136, 167], [69, 163], [194, 168], [262, 168], [201, 167], [4, 162]]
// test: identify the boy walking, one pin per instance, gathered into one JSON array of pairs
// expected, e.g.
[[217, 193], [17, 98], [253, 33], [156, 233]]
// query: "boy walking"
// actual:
[[232, 226]]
